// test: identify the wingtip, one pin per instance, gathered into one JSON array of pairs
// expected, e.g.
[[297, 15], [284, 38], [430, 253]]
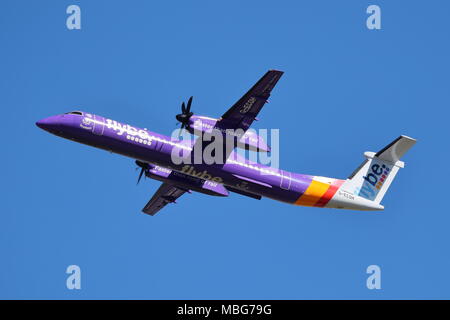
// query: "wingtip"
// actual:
[[409, 138], [275, 70]]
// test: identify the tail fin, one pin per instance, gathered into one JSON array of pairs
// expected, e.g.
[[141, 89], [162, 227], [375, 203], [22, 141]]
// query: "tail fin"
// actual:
[[374, 176]]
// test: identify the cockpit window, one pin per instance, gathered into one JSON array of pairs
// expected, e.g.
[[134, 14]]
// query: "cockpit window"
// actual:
[[75, 112]]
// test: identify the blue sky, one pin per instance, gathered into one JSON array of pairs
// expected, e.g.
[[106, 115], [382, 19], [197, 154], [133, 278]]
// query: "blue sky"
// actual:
[[346, 90]]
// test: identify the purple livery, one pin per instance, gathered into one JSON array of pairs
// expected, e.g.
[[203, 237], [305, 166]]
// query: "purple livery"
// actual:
[[153, 152]]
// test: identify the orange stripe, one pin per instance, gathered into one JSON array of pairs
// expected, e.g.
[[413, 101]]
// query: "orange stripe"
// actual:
[[330, 193], [314, 192]]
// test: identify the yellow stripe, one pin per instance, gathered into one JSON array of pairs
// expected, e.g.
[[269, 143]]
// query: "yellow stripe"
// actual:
[[314, 192]]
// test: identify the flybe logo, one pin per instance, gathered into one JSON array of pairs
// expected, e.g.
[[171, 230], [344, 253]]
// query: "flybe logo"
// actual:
[[374, 180], [126, 128], [205, 175]]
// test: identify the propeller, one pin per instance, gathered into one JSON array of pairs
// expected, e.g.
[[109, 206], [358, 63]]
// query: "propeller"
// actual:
[[144, 168], [185, 114]]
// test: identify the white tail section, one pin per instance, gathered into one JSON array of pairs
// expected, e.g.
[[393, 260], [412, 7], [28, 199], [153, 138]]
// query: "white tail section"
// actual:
[[374, 176]]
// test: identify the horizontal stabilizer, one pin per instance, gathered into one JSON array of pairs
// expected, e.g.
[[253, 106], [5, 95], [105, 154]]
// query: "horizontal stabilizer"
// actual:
[[396, 149]]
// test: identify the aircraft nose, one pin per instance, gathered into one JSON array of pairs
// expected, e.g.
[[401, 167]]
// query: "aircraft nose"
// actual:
[[49, 124]]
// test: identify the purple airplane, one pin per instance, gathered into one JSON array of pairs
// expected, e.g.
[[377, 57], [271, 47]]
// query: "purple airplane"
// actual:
[[154, 153]]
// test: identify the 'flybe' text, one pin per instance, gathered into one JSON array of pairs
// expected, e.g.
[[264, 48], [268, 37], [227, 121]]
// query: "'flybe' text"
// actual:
[[374, 180]]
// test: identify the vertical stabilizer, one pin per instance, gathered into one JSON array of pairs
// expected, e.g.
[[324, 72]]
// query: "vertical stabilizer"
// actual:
[[373, 177]]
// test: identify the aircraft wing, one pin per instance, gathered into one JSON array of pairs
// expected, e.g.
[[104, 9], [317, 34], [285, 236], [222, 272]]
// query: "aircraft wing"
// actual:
[[242, 114], [167, 193]]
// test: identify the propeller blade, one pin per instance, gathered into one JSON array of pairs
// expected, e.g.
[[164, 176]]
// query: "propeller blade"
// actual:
[[183, 126], [185, 114], [188, 109], [140, 175]]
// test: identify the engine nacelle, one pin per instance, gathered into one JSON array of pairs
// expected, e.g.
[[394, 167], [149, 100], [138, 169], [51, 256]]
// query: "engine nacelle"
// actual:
[[186, 181], [248, 140]]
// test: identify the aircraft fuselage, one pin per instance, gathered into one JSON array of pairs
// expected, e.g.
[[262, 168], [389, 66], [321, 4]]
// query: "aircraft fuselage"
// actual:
[[238, 174]]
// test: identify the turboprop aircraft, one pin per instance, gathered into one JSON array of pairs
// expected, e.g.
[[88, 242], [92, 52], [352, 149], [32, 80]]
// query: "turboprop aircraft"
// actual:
[[362, 190]]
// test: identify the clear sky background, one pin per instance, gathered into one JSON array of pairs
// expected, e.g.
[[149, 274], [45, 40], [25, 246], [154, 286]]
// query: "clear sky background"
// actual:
[[346, 90]]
